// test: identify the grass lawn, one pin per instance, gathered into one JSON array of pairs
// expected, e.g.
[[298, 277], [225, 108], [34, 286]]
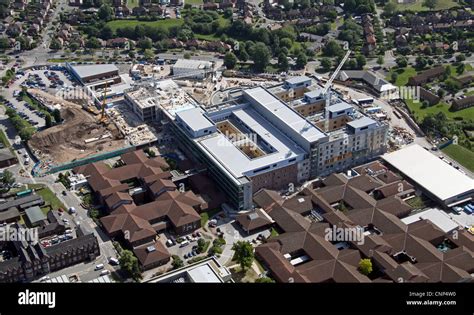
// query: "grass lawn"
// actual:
[[208, 214], [194, 2], [454, 72], [273, 233], [419, 113], [417, 5], [48, 196], [132, 23], [3, 139], [240, 276], [469, 93], [132, 4], [209, 37], [462, 155], [416, 202], [403, 75]]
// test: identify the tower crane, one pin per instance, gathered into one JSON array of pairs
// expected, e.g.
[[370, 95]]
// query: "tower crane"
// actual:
[[326, 93]]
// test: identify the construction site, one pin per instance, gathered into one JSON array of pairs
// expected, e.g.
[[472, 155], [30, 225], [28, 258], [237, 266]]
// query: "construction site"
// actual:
[[82, 133]]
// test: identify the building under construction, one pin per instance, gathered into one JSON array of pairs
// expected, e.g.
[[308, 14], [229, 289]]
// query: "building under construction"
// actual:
[[265, 137]]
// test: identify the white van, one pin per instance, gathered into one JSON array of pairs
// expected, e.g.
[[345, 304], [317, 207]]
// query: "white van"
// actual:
[[184, 243], [105, 272]]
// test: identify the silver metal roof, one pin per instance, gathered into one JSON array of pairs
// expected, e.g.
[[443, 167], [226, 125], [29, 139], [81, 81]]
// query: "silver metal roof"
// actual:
[[85, 71], [195, 119], [430, 172], [361, 122]]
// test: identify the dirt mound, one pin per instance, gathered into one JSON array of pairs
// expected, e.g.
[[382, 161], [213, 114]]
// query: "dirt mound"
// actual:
[[67, 141]]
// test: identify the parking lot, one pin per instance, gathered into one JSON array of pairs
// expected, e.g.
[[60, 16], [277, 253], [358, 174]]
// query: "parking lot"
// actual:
[[48, 80], [185, 246]]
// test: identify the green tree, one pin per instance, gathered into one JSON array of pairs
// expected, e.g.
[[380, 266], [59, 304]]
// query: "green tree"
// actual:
[[105, 12], [243, 55], [265, 280], [26, 133], [106, 32], [8, 179], [420, 62], [260, 56], [460, 58], [129, 263], [326, 64], [389, 8], [380, 60], [148, 54], [74, 46], [48, 120], [361, 61], [283, 62], [55, 44], [243, 254], [394, 77], [402, 62], [230, 60], [332, 49], [201, 244], [145, 43], [93, 43], [460, 68], [430, 4], [177, 262], [187, 56], [365, 266], [441, 93], [301, 60], [57, 115]]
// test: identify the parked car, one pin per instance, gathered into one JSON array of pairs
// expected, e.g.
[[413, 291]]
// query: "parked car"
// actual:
[[99, 267], [114, 261]]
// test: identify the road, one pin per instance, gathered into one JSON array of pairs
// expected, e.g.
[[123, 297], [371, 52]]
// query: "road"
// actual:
[[85, 270]]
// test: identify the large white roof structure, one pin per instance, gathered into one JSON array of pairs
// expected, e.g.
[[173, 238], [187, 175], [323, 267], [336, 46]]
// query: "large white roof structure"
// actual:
[[85, 71], [435, 176], [288, 120], [236, 162]]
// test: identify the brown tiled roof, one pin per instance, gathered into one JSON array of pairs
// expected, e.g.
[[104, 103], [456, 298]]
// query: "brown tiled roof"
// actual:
[[364, 182], [395, 188], [389, 177], [117, 197], [146, 257], [265, 198], [299, 203], [252, 220], [426, 75], [162, 184]]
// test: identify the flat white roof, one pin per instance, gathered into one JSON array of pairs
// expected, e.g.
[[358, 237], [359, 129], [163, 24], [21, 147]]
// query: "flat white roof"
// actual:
[[286, 115], [203, 274], [361, 122], [438, 217], [195, 119], [430, 172], [339, 107], [298, 79], [192, 64], [235, 161], [85, 71]]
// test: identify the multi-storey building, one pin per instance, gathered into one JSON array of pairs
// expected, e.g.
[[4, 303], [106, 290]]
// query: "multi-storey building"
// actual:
[[272, 138]]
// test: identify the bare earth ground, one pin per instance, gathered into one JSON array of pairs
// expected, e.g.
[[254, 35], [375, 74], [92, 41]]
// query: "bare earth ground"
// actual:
[[66, 142]]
